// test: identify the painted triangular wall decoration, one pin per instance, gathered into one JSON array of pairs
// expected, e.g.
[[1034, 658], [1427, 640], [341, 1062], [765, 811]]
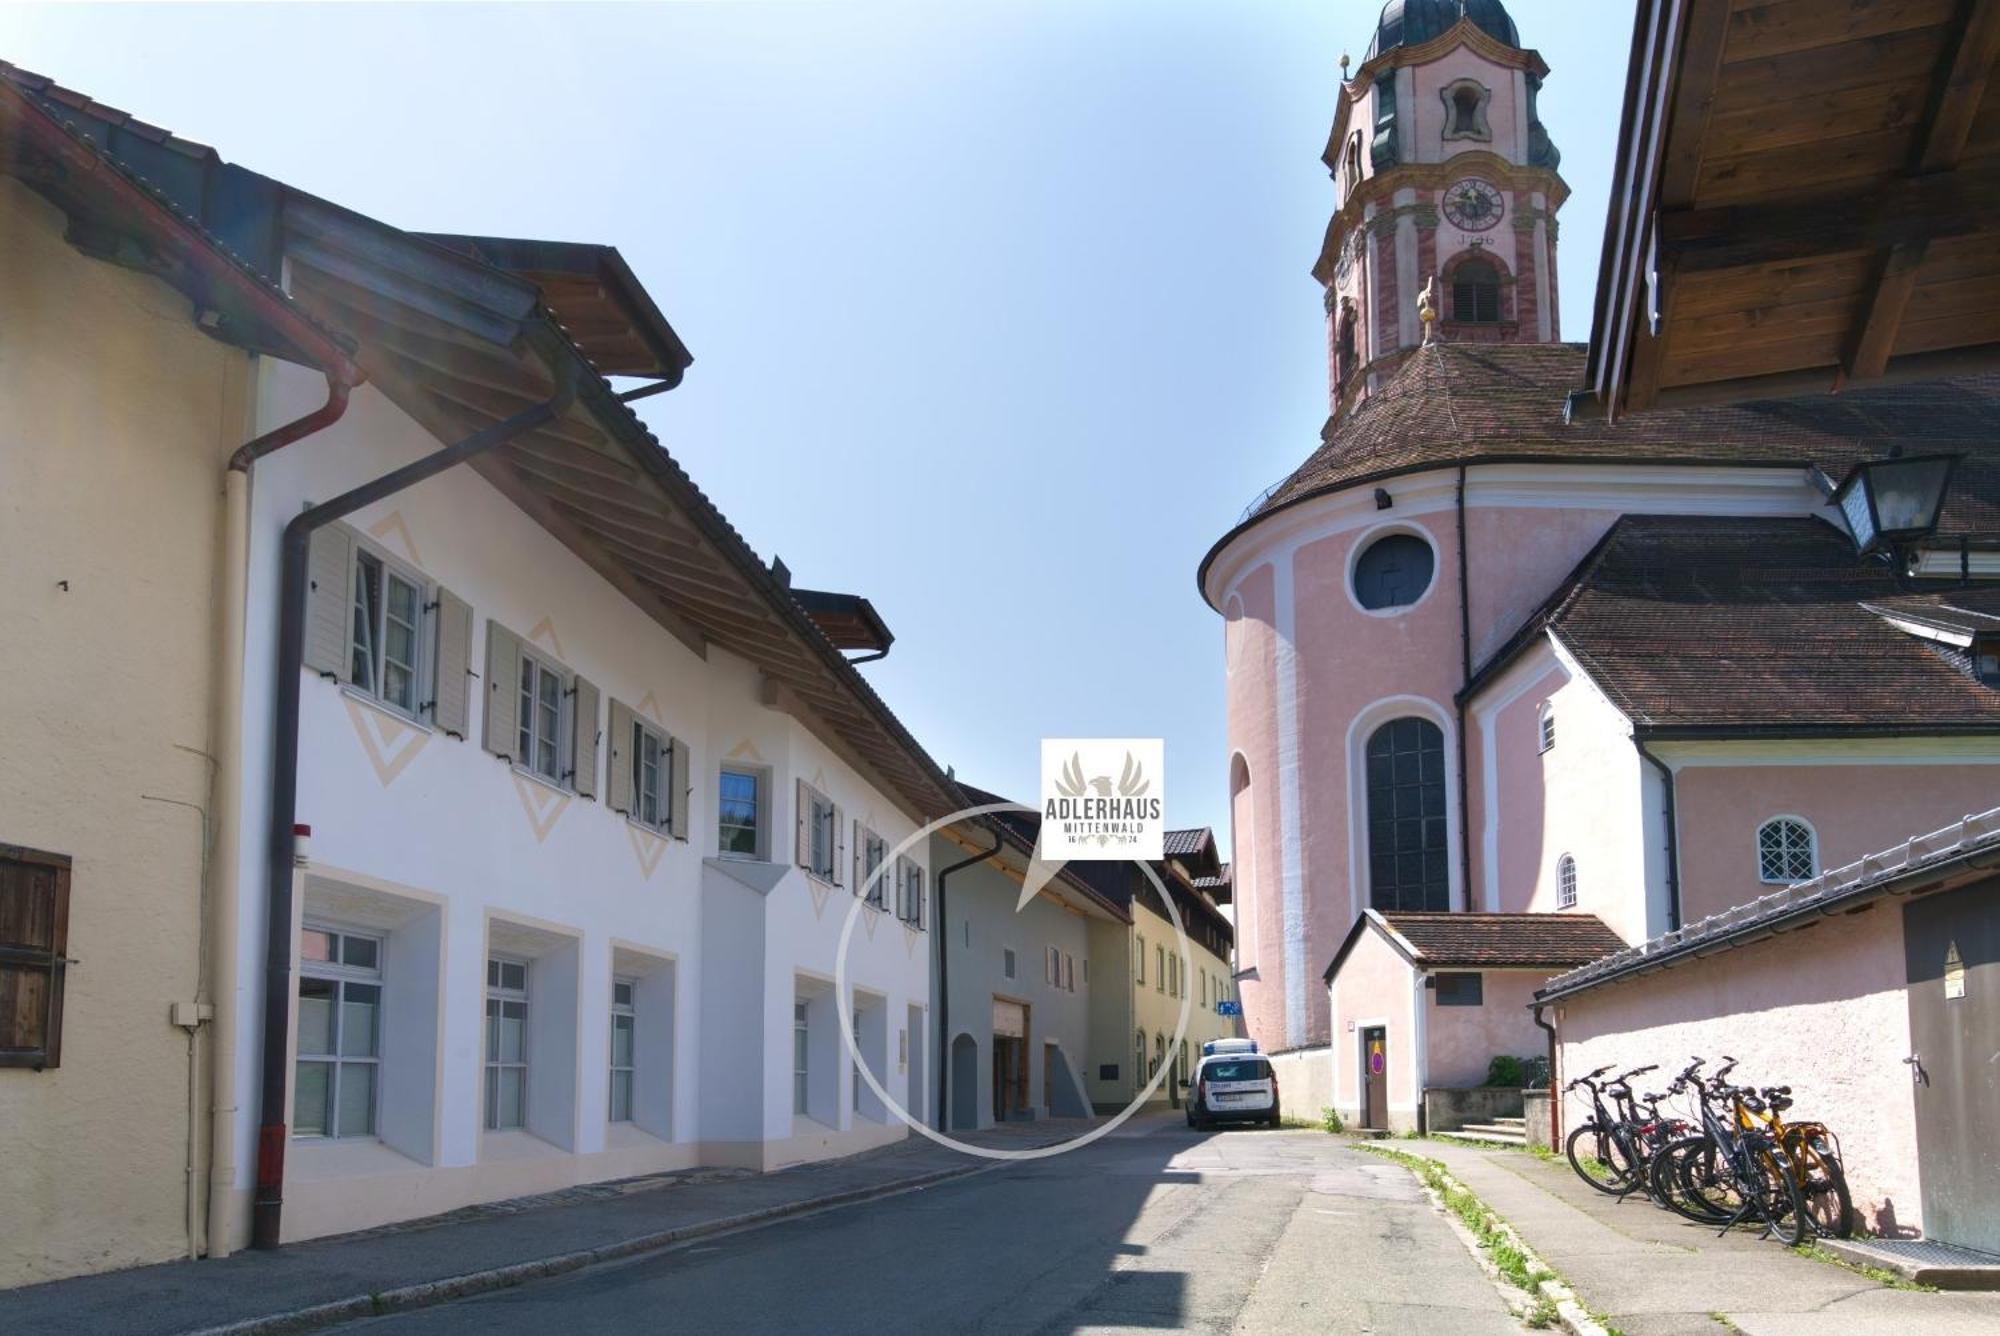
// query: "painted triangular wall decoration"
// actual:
[[544, 634], [391, 529], [543, 805], [910, 936], [648, 846], [869, 918], [390, 744], [649, 705], [745, 750], [819, 891]]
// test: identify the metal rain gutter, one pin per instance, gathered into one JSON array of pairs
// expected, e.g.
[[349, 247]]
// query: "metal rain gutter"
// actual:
[[268, 1203]]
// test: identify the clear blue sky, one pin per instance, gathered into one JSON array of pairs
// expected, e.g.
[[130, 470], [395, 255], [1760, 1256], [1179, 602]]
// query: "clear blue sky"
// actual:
[[1000, 312]]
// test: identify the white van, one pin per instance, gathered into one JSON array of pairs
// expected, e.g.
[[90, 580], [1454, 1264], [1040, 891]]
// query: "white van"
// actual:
[[1232, 1083]]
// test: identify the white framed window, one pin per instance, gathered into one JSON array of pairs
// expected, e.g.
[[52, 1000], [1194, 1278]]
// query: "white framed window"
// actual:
[[1159, 969], [822, 833], [624, 1038], [336, 1078], [653, 766], [856, 1081], [1140, 956], [1204, 988], [1565, 882], [506, 1043], [1069, 972], [873, 888], [1546, 726], [1052, 967], [801, 1045], [742, 811], [1007, 962], [910, 892], [544, 688], [1787, 851], [385, 647]]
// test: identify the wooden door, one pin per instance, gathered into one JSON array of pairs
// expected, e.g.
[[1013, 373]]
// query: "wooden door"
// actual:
[[1375, 1078], [1951, 948]]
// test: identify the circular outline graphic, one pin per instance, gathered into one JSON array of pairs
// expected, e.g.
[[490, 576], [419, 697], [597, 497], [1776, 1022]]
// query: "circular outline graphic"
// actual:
[[844, 1002]]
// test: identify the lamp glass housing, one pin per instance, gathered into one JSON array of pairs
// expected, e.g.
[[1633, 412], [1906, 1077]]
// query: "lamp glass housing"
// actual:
[[1894, 500]]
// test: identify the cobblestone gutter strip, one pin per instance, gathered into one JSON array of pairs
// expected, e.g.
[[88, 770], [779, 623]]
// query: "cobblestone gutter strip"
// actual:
[[1512, 1259], [429, 1293]]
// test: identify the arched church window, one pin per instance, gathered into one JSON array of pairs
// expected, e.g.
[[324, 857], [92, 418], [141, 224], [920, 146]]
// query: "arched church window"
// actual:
[[1393, 572], [1475, 293], [1566, 882], [1465, 110], [1786, 851], [1353, 160], [1347, 353], [1409, 862]]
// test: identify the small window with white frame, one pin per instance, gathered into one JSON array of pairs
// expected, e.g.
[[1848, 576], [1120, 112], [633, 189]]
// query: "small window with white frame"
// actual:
[[910, 892], [801, 1049], [653, 767], [1052, 967], [742, 813], [624, 1037], [1069, 972], [544, 689], [1566, 882], [506, 1044], [385, 641], [336, 1078], [1007, 962], [1140, 956], [870, 882], [1545, 727], [1787, 851]]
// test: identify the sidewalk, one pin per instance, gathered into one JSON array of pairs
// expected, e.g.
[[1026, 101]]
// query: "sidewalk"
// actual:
[[315, 1284], [1650, 1273]]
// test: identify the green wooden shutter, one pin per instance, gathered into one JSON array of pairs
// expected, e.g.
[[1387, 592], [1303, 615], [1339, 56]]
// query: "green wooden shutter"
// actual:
[[503, 692], [622, 795], [34, 944], [583, 739], [330, 601], [451, 690], [680, 783]]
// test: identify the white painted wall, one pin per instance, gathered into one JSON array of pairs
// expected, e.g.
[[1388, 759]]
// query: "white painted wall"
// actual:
[[405, 818]]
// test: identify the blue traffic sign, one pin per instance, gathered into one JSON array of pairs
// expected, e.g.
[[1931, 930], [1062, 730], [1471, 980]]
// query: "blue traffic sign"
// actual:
[[1229, 1008]]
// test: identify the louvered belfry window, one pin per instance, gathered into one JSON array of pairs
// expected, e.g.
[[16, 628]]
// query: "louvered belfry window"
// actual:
[[1409, 862]]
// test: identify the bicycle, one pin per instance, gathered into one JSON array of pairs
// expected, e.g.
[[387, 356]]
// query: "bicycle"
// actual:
[[1608, 1151], [1812, 1155], [1729, 1171]]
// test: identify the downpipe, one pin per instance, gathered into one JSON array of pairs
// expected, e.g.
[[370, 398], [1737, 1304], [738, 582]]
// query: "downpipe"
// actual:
[[1673, 835], [268, 1206], [944, 980], [218, 987], [1555, 1079]]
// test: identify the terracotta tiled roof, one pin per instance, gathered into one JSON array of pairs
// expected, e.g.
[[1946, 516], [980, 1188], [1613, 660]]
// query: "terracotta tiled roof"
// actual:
[[1500, 941], [1467, 403], [1746, 625]]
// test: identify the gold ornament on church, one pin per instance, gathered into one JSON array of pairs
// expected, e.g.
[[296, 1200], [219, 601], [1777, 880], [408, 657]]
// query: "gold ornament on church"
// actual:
[[1427, 310]]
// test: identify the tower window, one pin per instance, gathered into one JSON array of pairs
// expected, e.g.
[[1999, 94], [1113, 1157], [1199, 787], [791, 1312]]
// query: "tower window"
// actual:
[[1475, 293], [1566, 882], [1465, 110], [1409, 863], [1393, 572]]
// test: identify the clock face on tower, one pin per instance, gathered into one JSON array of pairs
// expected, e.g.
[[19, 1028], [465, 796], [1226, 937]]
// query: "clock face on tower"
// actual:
[[1350, 250], [1473, 204]]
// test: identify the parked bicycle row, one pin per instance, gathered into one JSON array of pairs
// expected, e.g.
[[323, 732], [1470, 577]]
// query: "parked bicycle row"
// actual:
[[1714, 1152]]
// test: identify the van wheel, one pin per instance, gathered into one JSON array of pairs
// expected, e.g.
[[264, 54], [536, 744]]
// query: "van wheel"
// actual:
[[1274, 1120]]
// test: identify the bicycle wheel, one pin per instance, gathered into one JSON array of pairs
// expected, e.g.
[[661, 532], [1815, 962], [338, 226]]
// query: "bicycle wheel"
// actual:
[[1774, 1191], [1685, 1180], [1599, 1160], [1823, 1187]]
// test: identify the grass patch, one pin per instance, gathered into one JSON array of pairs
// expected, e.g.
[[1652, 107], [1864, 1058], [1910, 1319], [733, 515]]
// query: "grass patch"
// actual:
[[1329, 1121], [1722, 1320], [1880, 1275]]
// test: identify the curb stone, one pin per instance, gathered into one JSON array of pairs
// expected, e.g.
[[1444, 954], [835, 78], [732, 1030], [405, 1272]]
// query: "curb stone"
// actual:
[[429, 1293]]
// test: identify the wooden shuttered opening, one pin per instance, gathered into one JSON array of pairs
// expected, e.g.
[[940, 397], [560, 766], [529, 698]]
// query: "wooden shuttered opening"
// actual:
[[621, 795], [34, 941], [680, 780], [451, 703], [329, 601], [858, 854], [502, 734], [839, 845], [583, 739]]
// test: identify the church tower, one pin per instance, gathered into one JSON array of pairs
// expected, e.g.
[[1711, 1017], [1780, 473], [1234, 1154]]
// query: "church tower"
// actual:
[[1442, 171]]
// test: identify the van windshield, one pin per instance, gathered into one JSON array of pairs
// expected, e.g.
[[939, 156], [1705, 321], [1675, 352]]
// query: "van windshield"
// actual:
[[1237, 1069]]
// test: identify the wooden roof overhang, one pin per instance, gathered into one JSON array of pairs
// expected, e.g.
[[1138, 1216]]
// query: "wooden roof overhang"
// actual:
[[848, 620], [1804, 197], [460, 345], [116, 216]]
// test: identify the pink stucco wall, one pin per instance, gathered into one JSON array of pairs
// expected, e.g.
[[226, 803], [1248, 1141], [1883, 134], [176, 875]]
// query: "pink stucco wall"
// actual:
[[1518, 792], [1374, 987], [1856, 809], [1519, 556], [1250, 651], [1822, 1010], [1463, 1041]]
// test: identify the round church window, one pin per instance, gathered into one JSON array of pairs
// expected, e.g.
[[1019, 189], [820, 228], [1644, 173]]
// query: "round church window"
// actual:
[[1393, 572]]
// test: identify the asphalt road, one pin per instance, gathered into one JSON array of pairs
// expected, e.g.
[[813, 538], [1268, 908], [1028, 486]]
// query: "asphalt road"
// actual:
[[1160, 1229]]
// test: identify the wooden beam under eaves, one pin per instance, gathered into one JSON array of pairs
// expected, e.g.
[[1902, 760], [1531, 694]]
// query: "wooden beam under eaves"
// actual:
[[1874, 337], [1957, 97], [1914, 209]]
